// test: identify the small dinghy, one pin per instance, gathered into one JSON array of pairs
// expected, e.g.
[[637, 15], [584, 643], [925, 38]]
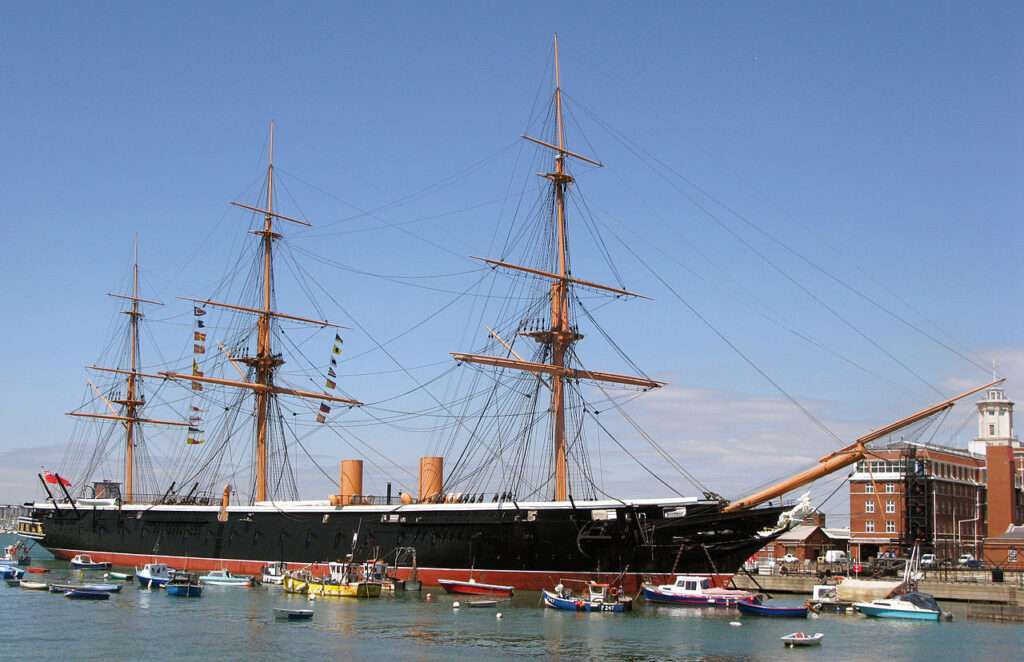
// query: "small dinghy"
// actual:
[[37, 569], [293, 614], [33, 586], [102, 588], [482, 604], [122, 576], [473, 587], [86, 594], [85, 562], [756, 609], [802, 639]]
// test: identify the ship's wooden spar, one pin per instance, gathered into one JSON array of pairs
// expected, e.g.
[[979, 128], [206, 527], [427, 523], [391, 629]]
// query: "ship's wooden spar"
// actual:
[[560, 336], [851, 454]]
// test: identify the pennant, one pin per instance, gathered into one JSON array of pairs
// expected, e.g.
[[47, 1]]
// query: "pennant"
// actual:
[[196, 409], [193, 430], [325, 408], [337, 338], [331, 373], [334, 361], [192, 441], [337, 349], [320, 418], [198, 336], [330, 385], [200, 324], [199, 312], [199, 349], [196, 386], [54, 479], [195, 419]]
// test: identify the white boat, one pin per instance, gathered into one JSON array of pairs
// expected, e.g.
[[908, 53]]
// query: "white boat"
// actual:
[[912, 606], [154, 575], [274, 573], [802, 639], [224, 578], [85, 562], [695, 591]]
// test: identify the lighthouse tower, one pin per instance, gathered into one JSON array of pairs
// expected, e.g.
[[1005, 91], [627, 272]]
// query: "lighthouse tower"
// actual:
[[996, 441]]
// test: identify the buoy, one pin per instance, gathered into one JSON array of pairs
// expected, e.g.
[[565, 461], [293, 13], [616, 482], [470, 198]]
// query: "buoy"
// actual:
[[429, 597], [456, 605], [735, 624], [498, 616]]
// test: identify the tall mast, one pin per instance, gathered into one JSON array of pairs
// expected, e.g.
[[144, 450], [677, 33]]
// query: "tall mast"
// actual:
[[560, 336], [264, 361], [131, 403]]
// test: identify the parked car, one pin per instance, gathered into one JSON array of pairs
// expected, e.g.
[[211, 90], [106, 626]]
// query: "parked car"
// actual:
[[929, 561], [835, 556], [973, 564], [964, 560]]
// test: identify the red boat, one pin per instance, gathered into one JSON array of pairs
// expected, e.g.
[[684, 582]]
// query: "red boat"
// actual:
[[37, 569], [475, 588]]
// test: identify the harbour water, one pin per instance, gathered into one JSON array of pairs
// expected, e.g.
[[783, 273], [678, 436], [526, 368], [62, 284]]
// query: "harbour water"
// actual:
[[235, 623]]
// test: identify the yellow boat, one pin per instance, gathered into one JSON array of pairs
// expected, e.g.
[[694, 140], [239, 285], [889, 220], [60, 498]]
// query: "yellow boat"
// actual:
[[342, 583]]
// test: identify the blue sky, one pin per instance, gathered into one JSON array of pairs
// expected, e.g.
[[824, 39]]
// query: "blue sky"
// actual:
[[882, 142]]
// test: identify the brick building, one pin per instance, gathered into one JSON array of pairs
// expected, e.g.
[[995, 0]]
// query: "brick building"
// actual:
[[947, 499]]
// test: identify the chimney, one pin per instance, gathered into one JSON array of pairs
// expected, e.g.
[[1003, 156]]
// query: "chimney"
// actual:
[[351, 482], [431, 477], [1001, 496]]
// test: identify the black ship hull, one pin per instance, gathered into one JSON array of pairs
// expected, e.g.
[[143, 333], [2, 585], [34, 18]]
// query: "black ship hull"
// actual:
[[530, 546]]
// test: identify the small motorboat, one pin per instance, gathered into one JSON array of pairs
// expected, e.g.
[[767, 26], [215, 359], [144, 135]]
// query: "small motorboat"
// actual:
[[33, 586], [103, 588], [473, 587], [11, 572], [37, 569], [85, 562], [598, 597], [695, 591], [184, 585], [293, 614], [86, 594], [802, 639], [758, 609], [154, 575], [913, 606], [482, 604], [16, 554], [225, 578], [123, 576], [274, 573]]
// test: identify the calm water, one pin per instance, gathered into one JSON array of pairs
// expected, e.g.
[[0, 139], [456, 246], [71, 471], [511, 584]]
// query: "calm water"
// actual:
[[234, 623]]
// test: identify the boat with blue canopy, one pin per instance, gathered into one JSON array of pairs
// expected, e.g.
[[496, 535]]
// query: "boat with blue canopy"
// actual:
[[914, 606]]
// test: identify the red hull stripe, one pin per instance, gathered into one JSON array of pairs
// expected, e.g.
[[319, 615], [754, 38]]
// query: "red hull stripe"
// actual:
[[526, 580]]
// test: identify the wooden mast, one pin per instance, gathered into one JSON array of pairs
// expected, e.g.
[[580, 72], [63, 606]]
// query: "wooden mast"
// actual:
[[264, 361], [560, 336], [133, 401]]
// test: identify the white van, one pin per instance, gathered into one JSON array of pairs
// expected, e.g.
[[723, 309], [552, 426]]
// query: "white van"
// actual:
[[835, 556]]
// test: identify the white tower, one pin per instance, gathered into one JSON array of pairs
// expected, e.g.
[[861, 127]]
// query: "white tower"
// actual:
[[995, 422]]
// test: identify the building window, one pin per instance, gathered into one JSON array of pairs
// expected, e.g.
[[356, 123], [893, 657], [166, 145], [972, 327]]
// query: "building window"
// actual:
[[890, 506], [869, 526], [991, 430], [890, 488], [869, 488], [890, 526], [869, 506]]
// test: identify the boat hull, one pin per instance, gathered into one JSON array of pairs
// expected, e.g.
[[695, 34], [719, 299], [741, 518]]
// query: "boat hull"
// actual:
[[529, 546], [476, 588], [182, 591], [883, 612], [653, 594], [578, 604], [755, 609], [332, 590]]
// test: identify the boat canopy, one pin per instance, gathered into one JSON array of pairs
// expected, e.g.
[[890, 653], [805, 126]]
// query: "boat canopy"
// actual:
[[921, 600]]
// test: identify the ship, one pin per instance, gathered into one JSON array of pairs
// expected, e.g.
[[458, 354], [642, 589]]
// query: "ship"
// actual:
[[542, 522]]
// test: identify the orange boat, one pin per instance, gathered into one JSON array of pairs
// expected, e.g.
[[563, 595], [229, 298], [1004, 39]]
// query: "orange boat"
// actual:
[[473, 587]]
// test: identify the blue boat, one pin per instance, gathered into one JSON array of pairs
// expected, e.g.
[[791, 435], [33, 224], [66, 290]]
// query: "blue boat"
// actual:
[[912, 606], [596, 599], [11, 572], [184, 585], [695, 591], [154, 575], [85, 562], [757, 609], [87, 594]]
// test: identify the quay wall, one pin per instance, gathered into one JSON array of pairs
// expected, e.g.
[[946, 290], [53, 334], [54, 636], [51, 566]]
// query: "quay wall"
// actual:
[[1009, 592]]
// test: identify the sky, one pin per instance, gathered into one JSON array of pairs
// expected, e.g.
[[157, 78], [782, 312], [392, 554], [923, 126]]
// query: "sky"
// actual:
[[822, 200]]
